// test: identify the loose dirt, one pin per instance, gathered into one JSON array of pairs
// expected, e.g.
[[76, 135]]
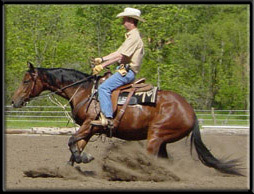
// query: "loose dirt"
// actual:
[[39, 162]]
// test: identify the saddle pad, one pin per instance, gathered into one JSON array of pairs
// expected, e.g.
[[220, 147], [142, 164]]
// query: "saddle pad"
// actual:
[[148, 97]]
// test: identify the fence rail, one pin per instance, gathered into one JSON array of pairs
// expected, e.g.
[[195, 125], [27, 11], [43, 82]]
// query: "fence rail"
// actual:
[[55, 114]]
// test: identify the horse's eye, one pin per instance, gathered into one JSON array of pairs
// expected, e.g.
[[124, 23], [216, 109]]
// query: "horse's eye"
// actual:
[[26, 81]]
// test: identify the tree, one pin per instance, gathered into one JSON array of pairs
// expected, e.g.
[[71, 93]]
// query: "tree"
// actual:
[[198, 51]]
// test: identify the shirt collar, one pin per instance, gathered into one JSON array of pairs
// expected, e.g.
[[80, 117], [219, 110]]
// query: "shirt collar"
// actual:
[[130, 32]]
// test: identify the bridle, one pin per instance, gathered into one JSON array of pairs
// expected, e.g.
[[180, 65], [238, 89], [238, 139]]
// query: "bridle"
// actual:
[[34, 78], [49, 94]]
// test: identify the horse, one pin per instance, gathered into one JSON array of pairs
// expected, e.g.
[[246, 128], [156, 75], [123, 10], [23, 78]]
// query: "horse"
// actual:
[[169, 120]]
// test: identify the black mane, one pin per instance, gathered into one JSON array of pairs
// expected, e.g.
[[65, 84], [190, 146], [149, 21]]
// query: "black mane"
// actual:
[[62, 75]]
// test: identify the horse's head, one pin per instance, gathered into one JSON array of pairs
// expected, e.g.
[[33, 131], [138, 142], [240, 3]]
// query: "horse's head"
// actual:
[[29, 87]]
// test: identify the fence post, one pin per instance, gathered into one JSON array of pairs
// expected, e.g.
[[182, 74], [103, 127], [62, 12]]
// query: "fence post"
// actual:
[[213, 116], [226, 120]]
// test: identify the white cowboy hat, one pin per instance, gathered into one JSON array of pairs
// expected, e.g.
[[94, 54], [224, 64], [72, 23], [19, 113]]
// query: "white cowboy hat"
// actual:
[[131, 12]]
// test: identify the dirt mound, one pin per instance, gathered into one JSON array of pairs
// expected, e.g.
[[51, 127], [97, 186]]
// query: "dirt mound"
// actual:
[[128, 161], [120, 161], [65, 172]]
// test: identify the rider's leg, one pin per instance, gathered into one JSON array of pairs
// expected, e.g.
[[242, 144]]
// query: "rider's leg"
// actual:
[[106, 88]]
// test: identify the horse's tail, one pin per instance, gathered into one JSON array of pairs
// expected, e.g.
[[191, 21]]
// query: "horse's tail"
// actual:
[[205, 156]]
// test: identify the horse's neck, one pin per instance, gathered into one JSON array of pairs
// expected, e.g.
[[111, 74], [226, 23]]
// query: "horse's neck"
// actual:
[[67, 93]]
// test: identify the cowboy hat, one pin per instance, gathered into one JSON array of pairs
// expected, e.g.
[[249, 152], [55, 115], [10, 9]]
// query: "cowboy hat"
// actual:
[[131, 12]]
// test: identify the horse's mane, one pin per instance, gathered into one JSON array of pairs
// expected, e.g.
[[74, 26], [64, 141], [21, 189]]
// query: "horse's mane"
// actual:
[[63, 75]]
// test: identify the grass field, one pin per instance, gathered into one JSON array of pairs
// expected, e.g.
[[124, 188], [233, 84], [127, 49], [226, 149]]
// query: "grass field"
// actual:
[[38, 116], [29, 124], [26, 123]]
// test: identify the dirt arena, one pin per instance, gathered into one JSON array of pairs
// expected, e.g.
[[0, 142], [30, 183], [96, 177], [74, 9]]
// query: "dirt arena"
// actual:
[[39, 162]]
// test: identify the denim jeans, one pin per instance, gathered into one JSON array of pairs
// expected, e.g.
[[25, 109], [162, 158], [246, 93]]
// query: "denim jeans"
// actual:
[[106, 88]]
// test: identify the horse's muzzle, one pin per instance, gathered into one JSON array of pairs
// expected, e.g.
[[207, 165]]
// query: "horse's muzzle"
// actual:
[[18, 104]]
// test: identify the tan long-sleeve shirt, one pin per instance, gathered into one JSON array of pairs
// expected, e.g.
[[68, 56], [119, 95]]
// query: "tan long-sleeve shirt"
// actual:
[[133, 49]]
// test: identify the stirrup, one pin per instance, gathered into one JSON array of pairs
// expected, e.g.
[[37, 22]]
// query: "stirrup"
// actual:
[[103, 121]]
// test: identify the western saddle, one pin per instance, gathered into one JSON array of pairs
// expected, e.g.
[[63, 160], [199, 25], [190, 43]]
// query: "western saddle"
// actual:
[[137, 86]]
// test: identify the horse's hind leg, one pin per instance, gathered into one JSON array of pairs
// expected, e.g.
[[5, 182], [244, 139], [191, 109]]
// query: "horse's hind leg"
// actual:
[[156, 145], [163, 151]]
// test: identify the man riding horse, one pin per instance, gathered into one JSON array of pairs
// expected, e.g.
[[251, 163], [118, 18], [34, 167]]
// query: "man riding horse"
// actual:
[[170, 119], [129, 56]]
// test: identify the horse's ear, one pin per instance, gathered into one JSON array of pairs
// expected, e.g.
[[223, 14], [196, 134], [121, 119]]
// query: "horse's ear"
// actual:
[[30, 66]]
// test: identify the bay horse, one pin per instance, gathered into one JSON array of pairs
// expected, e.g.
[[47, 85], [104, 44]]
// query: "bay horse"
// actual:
[[169, 120]]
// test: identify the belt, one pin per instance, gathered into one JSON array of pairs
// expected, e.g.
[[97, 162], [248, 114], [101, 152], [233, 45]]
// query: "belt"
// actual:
[[128, 67]]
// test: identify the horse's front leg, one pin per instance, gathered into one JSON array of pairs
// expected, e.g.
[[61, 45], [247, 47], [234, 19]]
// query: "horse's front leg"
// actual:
[[77, 143]]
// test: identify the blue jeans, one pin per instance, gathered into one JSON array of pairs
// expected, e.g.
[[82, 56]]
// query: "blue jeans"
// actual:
[[106, 88]]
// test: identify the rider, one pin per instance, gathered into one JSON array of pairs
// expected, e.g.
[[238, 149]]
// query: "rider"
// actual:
[[129, 56]]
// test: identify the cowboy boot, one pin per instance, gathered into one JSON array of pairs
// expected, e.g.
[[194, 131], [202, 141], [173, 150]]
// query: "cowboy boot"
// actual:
[[103, 121]]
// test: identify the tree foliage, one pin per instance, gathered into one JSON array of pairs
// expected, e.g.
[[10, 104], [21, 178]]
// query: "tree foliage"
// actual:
[[198, 51]]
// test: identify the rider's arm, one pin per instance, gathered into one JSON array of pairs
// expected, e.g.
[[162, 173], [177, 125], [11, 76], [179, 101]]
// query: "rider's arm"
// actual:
[[112, 58]]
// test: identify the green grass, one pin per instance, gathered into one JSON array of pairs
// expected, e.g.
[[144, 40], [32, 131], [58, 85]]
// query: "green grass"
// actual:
[[26, 125], [222, 122], [221, 118], [50, 123], [239, 118]]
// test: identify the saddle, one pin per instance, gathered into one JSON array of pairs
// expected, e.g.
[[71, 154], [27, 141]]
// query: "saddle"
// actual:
[[138, 87]]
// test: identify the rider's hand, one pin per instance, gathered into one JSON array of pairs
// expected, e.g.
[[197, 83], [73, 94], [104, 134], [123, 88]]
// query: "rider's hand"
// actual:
[[97, 69], [97, 61]]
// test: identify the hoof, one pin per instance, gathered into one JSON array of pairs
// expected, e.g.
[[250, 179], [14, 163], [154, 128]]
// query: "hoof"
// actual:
[[77, 159], [86, 158], [70, 163]]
